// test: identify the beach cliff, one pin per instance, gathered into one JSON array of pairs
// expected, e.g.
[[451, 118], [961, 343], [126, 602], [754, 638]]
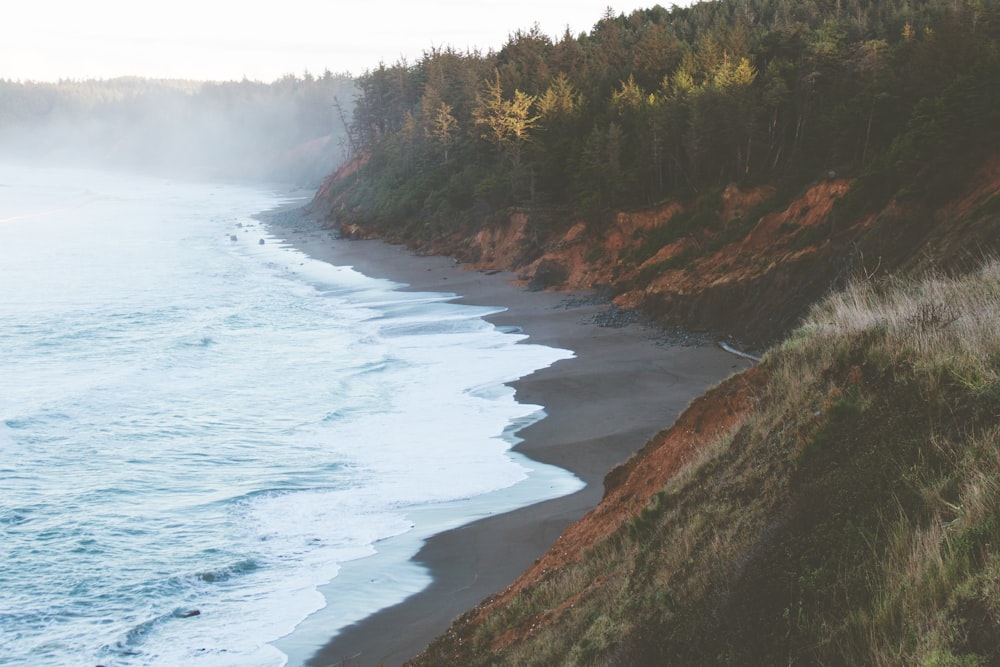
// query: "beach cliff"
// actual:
[[527, 613]]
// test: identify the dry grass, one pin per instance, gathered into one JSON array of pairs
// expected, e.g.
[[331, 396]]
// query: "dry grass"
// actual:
[[852, 516], [945, 325], [938, 339]]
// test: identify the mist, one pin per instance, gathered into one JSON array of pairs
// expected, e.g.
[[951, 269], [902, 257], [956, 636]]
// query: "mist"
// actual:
[[290, 131]]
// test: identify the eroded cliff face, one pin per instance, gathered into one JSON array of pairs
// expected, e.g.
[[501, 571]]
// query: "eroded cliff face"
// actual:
[[628, 488], [753, 287], [746, 263]]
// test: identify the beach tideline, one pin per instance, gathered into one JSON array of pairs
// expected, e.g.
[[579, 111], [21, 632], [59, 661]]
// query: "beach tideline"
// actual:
[[199, 429], [602, 405]]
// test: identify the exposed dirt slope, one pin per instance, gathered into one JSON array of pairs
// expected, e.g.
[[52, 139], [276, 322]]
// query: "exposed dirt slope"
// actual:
[[628, 488], [743, 262]]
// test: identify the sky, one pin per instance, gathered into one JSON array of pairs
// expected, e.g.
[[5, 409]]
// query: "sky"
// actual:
[[48, 40]]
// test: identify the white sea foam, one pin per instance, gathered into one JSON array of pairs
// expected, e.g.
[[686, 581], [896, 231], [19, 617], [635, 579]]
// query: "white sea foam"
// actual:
[[191, 423]]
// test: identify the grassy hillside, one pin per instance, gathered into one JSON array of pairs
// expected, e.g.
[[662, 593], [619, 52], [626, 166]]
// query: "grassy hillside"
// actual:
[[846, 510]]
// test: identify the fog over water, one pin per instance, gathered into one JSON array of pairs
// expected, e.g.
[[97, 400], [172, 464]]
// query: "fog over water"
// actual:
[[290, 131]]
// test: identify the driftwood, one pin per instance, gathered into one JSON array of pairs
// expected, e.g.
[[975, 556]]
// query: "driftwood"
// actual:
[[739, 353]]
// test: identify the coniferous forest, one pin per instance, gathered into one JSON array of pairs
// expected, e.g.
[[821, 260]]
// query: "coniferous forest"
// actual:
[[671, 103]]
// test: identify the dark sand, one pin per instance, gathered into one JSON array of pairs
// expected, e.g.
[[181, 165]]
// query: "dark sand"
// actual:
[[620, 389]]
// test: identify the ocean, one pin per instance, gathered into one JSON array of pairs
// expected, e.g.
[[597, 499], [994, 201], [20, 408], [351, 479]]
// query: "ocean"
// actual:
[[217, 451]]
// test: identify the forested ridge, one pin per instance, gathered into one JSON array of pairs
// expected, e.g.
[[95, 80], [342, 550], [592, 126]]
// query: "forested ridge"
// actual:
[[666, 103], [292, 129], [714, 121]]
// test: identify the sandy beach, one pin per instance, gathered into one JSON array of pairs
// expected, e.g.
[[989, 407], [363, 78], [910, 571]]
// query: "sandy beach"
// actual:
[[625, 384]]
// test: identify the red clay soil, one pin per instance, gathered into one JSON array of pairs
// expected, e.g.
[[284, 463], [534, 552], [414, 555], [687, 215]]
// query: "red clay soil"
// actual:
[[713, 290], [327, 202], [753, 286], [592, 259], [628, 488]]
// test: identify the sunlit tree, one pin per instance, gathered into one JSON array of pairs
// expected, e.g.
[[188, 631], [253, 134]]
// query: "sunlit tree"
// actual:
[[506, 122]]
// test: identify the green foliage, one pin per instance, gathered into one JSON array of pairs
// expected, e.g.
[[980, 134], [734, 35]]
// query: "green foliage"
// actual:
[[664, 103]]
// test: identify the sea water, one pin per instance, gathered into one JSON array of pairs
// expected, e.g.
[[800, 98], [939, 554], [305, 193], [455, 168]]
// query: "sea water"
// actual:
[[202, 436]]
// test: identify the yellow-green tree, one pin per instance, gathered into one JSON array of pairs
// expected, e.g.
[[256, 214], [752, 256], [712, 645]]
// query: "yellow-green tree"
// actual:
[[443, 126], [506, 122], [559, 100]]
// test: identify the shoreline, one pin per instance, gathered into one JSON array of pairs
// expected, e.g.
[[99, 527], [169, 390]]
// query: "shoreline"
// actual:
[[602, 405]]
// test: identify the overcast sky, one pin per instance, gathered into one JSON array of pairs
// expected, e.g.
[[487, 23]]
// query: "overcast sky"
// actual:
[[45, 40]]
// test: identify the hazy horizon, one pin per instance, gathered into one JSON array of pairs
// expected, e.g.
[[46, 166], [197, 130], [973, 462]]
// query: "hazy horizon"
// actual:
[[223, 41]]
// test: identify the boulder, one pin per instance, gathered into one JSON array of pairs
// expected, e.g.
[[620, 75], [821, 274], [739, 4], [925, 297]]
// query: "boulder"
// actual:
[[550, 273]]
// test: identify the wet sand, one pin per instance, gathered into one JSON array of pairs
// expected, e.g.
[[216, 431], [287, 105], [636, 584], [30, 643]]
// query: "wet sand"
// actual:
[[624, 385]]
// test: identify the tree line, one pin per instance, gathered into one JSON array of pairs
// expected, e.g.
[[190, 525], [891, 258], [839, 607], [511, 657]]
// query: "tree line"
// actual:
[[670, 103], [292, 129]]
